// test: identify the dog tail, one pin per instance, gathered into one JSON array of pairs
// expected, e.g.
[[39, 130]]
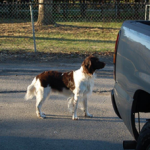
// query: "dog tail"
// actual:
[[30, 90]]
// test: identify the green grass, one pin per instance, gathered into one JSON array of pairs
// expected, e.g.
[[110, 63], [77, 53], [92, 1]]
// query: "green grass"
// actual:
[[65, 37]]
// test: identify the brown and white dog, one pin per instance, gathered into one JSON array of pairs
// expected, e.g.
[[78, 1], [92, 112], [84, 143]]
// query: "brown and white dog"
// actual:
[[78, 84]]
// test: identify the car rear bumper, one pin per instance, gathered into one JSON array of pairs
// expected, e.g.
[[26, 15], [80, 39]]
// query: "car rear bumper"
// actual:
[[114, 104]]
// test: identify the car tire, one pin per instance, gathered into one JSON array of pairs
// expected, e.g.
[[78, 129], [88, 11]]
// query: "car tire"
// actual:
[[146, 127], [143, 142]]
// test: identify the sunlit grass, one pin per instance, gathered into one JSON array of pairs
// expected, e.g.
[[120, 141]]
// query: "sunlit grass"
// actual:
[[63, 37]]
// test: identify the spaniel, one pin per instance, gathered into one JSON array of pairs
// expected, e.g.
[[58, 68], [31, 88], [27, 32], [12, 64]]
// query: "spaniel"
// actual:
[[78, 84]]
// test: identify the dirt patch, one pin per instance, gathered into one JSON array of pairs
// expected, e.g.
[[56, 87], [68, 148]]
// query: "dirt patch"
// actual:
[[41, 57]]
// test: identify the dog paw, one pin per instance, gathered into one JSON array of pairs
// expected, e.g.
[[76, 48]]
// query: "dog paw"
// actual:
[[89, 115], [42, 115], [75, 118]]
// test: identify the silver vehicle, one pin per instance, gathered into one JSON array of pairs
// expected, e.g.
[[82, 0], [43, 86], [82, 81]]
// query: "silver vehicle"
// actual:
[[131, 93]]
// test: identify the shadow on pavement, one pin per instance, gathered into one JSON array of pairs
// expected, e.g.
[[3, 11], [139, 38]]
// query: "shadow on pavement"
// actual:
[[38, 143]]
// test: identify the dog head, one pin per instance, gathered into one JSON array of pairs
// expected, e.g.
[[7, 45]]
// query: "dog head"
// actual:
[[91, 63]]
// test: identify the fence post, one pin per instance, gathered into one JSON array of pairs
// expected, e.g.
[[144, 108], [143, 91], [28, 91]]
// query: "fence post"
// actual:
[[32, 21], [149, 13]]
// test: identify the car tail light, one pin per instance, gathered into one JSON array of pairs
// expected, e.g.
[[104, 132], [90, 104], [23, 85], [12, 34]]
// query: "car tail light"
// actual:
[[115, 55]]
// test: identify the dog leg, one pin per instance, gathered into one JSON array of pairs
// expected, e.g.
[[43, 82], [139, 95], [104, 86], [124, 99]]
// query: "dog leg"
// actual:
[[87, 114], [70, 104], [74, 115], [41, 96], [39, 103]]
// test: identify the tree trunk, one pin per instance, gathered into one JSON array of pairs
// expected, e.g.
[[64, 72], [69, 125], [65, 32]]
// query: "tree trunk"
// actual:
[[45, 12]]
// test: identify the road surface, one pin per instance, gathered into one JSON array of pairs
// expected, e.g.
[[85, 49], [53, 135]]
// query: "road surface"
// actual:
[[20, 129]]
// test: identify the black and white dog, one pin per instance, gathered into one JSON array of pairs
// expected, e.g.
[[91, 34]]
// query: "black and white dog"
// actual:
[[78, 84]]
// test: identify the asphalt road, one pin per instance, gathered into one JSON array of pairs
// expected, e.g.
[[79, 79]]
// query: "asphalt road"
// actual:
[[20, 129]]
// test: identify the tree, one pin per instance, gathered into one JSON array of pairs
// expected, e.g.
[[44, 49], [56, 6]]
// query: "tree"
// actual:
[[45, 12]]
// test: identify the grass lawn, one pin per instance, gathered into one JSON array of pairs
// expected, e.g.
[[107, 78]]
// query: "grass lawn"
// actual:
[[65, 37]]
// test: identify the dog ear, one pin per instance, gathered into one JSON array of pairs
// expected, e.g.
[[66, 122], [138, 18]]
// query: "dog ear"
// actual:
[[87, 66]]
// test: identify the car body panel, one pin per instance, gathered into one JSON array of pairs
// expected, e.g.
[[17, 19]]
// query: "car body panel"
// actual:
[[132, 67]]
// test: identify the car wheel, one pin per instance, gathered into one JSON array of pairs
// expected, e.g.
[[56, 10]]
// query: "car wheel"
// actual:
[[146, 127], [143, 142]]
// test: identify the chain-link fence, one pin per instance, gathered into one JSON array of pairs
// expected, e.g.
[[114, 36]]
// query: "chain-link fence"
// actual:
[[77, 12], [76, 26]]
